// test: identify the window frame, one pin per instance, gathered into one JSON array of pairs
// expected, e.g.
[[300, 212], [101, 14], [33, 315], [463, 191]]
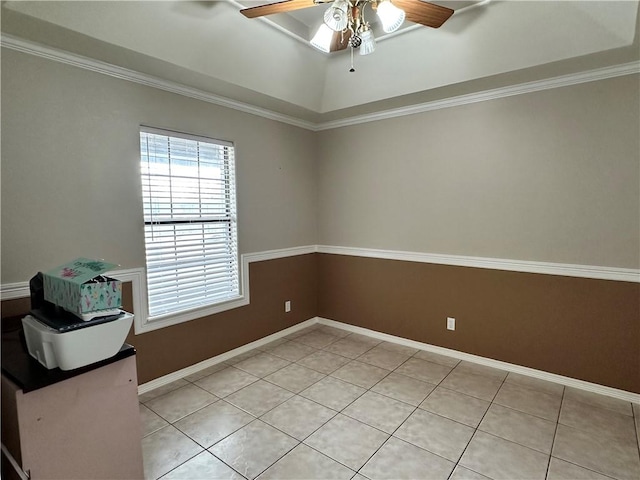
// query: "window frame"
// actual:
[[149, 322]]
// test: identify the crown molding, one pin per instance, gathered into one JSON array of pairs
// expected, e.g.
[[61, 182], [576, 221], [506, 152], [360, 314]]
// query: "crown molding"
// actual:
[[519, 89], [97, 66], [25, 46]]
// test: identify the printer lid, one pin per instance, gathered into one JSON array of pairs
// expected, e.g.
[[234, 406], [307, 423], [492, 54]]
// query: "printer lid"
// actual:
[[63, 321]]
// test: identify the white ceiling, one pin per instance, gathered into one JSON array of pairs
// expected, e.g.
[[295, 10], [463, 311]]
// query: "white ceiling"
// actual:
[[267, 62]]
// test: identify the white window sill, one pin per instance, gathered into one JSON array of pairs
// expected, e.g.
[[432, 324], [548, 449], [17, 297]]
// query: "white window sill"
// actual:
[[143, 323], [147, 324]]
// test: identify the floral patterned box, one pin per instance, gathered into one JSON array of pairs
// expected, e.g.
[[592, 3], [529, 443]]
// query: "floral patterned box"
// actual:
[[79, 287]]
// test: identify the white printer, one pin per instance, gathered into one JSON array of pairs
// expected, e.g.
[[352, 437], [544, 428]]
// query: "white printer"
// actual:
[[57, 338]]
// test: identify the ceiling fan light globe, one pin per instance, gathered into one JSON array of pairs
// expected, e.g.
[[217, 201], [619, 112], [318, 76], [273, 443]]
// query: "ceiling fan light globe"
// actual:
[[322, 39], [390, 16], [335, 17], [368, 44]]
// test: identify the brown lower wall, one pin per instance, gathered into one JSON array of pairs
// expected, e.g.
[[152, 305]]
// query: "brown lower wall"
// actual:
[[272, 282], [580, 328]]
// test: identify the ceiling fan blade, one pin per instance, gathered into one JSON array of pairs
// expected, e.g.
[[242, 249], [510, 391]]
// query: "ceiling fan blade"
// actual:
[[278, 7], [424, 13], [340, 40]]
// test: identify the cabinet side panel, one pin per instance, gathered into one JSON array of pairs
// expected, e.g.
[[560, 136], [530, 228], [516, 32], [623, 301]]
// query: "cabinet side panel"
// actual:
[[10, 430], [84, 427]]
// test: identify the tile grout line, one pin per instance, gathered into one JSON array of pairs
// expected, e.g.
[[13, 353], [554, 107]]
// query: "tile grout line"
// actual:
[[291, 363], [355, 419], [338, 412], [416, 408], [554, 442], [527, 387], [300, 442], [609, 477], [277, 460], [477, 427], [636, 423], [258, 417], [398, 427], [408, 416], [204, 448], [369, 389], [555, 434], [353, 401], [218, 399], [178, 466]]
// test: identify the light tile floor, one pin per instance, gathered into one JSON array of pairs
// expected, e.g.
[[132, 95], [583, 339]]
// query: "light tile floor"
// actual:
[[325, 404]]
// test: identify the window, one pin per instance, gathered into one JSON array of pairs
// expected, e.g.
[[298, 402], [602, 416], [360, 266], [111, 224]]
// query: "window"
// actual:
[[188, 189]]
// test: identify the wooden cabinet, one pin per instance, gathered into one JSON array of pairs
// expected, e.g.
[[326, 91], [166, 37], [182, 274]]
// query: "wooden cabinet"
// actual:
[[78, 425]]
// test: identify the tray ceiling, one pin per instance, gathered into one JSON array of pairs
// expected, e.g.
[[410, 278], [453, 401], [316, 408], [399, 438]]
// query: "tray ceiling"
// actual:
[[209, 45]]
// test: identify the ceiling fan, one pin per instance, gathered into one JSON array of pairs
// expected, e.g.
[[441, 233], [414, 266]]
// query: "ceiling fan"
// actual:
[[344, 23]]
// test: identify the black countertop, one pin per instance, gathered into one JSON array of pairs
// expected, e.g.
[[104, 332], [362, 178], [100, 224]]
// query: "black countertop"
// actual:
[[29, 374]]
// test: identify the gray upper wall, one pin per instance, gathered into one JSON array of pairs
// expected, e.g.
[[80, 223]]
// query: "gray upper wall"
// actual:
[[550, 176], [71, 171]]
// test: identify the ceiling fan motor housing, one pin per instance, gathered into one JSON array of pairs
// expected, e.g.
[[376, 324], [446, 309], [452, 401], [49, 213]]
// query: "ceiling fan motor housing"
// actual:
[[355, 41], [344, 23]]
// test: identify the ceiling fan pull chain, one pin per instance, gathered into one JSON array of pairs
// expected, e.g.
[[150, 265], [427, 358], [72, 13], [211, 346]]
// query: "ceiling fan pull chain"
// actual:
[[352, 69]]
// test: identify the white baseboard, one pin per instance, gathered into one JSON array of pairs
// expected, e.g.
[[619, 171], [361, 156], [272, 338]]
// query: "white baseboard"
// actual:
[[14, 463], [510, 367], [178, 374]]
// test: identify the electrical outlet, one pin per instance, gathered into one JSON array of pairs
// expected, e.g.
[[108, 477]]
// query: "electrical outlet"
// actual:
[[451, 323], [287, 306]]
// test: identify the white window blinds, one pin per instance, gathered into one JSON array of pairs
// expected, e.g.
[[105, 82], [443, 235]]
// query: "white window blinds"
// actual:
[[188, 189]]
